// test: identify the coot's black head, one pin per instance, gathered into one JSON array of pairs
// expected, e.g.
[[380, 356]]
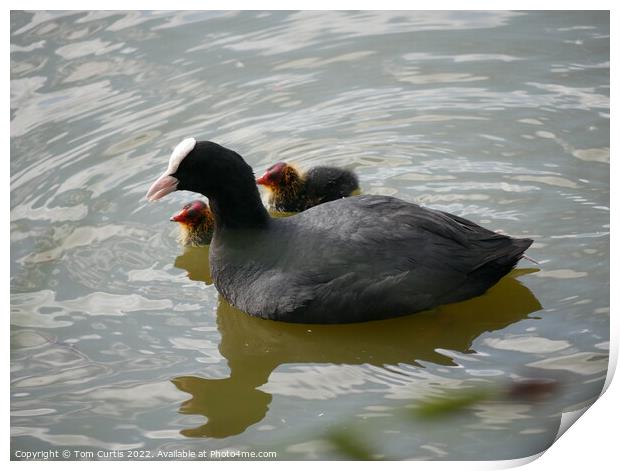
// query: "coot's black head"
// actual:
[[221, 175], [203, 167]]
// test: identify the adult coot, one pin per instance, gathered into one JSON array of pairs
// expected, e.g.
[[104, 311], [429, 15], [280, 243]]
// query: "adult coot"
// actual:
[[349, 260], [292, 191], [196, 222]]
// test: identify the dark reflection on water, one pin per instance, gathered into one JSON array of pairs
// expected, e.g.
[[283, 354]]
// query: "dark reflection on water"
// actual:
[[195, 260], [255, 347]]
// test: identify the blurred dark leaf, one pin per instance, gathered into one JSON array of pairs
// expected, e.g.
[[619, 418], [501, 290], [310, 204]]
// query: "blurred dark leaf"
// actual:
[[446, 405], [350, 445], [535, 389]]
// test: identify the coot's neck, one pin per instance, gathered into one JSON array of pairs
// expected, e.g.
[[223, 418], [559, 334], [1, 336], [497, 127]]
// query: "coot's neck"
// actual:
[[238, 208]]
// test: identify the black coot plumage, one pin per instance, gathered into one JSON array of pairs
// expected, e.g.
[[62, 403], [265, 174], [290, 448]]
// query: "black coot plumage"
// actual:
[[353, 259], [292, 191]]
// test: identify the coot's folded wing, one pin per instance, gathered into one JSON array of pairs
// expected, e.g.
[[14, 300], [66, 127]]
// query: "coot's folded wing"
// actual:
[[386, 252]]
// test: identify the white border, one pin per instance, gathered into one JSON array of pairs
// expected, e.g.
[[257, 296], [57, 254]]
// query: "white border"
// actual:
[[590, 443]]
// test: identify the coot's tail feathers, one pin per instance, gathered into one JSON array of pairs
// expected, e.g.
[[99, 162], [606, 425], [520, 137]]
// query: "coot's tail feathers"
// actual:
[[505, 260], [491, 271], [530, 259]]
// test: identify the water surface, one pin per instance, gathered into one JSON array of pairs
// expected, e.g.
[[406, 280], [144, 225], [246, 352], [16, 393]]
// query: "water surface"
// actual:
[[118, 339]]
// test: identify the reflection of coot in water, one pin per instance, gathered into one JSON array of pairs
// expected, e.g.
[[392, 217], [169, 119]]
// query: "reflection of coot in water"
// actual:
[[231, 404], [349, 260], [254, 348], [195, 260]]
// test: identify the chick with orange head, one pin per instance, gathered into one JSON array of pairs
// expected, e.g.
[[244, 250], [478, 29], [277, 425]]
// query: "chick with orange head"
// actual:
[[196, 222], [293, 191]]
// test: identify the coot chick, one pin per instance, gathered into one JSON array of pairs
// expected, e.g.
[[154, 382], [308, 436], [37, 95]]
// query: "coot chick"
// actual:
[[291, 191], [196, 223], [349, 260]]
